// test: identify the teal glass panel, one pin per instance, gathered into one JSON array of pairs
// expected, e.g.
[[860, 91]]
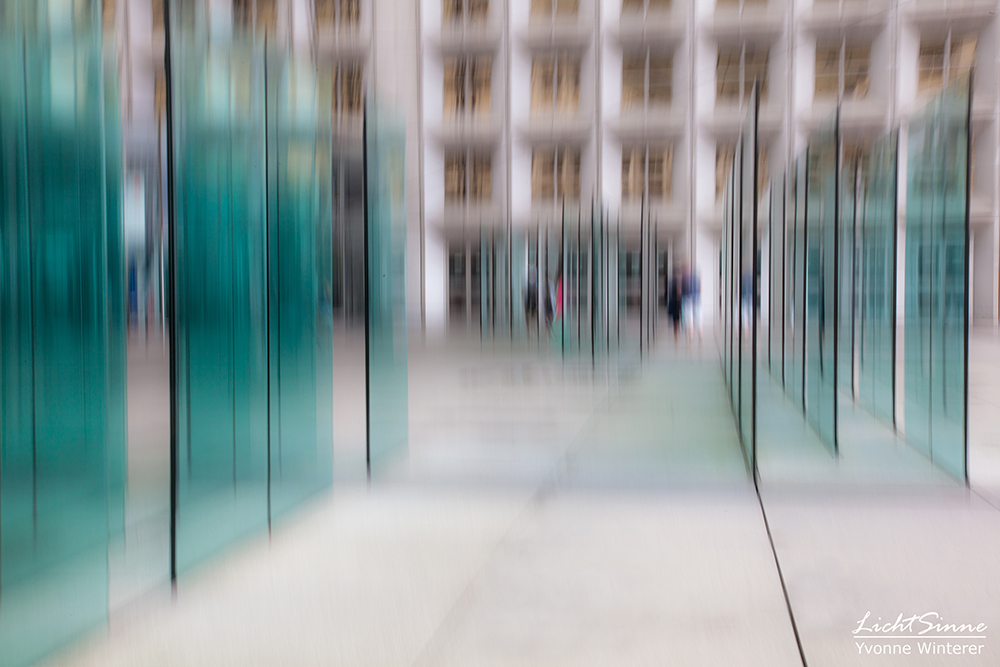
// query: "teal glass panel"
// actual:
[[221, 347], [740, 283], [937, 237], [847, 268], [386, 232], [749, 277], [776, 280], [821, 284], [300, 275], [796, 313], [876, 288], [61, 376]]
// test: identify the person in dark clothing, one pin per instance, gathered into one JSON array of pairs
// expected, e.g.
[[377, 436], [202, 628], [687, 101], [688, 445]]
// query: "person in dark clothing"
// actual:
[[675, 299], [531, 300]]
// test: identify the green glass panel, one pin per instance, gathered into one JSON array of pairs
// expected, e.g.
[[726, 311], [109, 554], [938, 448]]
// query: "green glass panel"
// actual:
[[820, 283], [253, 192], [876, 276], [61, 351], [300, 273], [847, 268], [796, 315], [937, 235], [386, 235], [221, 287], [776, 280]]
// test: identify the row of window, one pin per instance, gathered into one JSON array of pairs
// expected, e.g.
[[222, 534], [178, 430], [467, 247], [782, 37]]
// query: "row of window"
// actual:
[[555, 174], [842, 69], [647, 169]]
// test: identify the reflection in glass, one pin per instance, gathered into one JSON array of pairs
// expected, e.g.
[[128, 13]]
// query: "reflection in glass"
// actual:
[[937, 238], [62, 413]]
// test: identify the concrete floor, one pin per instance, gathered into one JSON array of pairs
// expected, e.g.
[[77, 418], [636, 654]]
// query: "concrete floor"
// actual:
[[578, 514]]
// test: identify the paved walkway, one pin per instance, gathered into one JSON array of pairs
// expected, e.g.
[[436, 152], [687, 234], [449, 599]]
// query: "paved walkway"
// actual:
[[574, 514]]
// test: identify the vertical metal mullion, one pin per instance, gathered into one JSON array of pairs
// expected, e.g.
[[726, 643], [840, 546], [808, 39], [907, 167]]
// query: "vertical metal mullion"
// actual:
[[645, 83], [946, 66], [172, 291], [841, 67]]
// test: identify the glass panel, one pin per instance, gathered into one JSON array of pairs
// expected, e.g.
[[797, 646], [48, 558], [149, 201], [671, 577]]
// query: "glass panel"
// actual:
[[749, 272], [821, 284], [876, 289], [936, 269], [847, 259], [222, 292], [61, 328], [300, 271], [254, 285], [776, 275], [386, 232], [795, 383]]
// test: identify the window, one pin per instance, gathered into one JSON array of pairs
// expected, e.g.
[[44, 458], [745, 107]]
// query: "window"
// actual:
[[550, 9], [262, 14], [468, 177], [762, 170], [555, 173], [467, 85], [724, 154], [108, 15], [646, 79], [737, 69], [466, 11], [723, 164], [160, 92], [348, 90], [935, 68], [647, 170], [740, 5], [842, 69], [344, 14], [640, 7], [156, 9], [555, 83]]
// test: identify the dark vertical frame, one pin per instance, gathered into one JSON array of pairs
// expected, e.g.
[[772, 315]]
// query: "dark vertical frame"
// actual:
[[172, 287], [837, 191], [965, 300], [365, 111], [894, 315], [756, 270]]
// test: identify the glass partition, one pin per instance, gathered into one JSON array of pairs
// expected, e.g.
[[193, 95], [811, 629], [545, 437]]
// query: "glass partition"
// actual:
[[253, 282], [62, 384], [937, 240], [795, 317], [876, 276], [386, 291], [776, 280], [847, 259], [300, 273], [740, 273], [821, 283]]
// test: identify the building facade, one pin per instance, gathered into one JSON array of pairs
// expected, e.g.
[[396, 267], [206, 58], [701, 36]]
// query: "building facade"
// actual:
[[516, 109]]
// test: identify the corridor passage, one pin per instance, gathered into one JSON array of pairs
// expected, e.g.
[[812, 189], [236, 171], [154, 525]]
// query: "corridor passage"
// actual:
[[571, 514]]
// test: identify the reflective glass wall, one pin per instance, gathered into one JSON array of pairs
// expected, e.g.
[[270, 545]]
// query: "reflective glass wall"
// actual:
[[253, 279], [585, 284], [196, 230], [937, 279], [833, 277], [62, 412], [740, 293], [385, 288]]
